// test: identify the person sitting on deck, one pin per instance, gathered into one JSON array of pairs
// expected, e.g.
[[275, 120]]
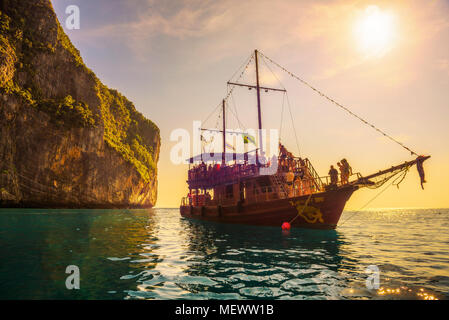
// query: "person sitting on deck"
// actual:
[[333, 173]]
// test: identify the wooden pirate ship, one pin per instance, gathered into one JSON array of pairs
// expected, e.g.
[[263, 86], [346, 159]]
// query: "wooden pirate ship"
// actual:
[[286, 190]]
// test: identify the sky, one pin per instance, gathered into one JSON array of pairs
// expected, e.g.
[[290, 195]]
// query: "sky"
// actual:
[[386, 61]]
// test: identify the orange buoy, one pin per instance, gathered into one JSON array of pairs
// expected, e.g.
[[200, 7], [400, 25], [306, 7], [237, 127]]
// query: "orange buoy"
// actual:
[[285, 226]]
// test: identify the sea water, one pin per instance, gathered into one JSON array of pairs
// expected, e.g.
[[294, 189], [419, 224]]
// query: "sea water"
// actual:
[[157, 254]]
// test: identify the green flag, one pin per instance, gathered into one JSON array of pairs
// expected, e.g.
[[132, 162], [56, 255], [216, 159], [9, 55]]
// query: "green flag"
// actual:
[[248, 138]]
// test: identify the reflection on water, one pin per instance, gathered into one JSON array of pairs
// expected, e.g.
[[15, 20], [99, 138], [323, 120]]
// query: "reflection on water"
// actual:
[[156, 254], [255, 262]]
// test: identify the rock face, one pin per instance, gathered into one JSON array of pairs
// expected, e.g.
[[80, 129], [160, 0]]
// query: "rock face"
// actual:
[[66, 140]]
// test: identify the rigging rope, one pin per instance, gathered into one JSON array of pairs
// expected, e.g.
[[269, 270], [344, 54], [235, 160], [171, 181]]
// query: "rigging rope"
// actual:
[[236, 114], [288, 104], [396, 182], [248, 61], [282, 117], [338, 104], [371, 200], [293, 125], [388, 175], [213, 111], [239, 68], [239, 77]]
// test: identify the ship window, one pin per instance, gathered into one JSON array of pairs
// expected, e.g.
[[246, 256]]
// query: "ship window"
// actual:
[[255, 190], [265, 185], [229, 191]]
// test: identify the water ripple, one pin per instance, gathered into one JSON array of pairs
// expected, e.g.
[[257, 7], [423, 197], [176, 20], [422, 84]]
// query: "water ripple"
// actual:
[[156, 254]]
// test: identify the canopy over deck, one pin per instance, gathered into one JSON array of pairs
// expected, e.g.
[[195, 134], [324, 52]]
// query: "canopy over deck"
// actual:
[[229, 156]]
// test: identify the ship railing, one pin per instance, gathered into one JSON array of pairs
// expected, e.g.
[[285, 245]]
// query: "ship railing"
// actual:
[[299, 188], [186, 201], [272, 193], [353, 177], [200, 201], [227, 174], [316, 178], [308, 170], [265, 194]]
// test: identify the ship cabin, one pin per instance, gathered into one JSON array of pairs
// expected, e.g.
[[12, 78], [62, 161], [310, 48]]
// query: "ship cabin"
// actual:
[[234, 179]]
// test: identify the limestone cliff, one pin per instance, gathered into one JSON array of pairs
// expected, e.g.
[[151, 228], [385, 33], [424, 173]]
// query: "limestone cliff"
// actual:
[[66, 140]]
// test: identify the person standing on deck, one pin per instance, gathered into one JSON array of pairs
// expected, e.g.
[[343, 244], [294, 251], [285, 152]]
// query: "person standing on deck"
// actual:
[[342, 172], [346, 171], [289, 176], [333, 173]]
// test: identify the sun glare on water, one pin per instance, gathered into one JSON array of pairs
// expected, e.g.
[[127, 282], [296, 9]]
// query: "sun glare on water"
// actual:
[[375, 31]]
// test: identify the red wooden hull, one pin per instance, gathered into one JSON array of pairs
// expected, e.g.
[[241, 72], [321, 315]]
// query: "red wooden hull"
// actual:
[[322, 211]]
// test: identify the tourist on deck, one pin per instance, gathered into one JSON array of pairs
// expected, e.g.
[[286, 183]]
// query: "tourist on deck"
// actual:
[[333, 173], [297, 186], [282, 151], [289, 162], [348, 167], [301, 173], [342, 171], [289, 176], [346, 171]]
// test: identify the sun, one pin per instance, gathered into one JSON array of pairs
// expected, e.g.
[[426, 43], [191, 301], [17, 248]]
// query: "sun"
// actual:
[[375, 31]]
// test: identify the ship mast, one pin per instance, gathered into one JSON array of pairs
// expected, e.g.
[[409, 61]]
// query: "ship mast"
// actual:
[[223, 158], [258, 107], [259, 111]]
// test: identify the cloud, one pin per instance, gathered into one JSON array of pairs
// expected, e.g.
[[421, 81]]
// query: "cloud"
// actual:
[[443, 64], [318, 34], [229, 23]]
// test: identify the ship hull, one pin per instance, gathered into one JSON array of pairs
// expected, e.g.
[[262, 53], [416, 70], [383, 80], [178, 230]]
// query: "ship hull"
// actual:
[[323, 211]]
